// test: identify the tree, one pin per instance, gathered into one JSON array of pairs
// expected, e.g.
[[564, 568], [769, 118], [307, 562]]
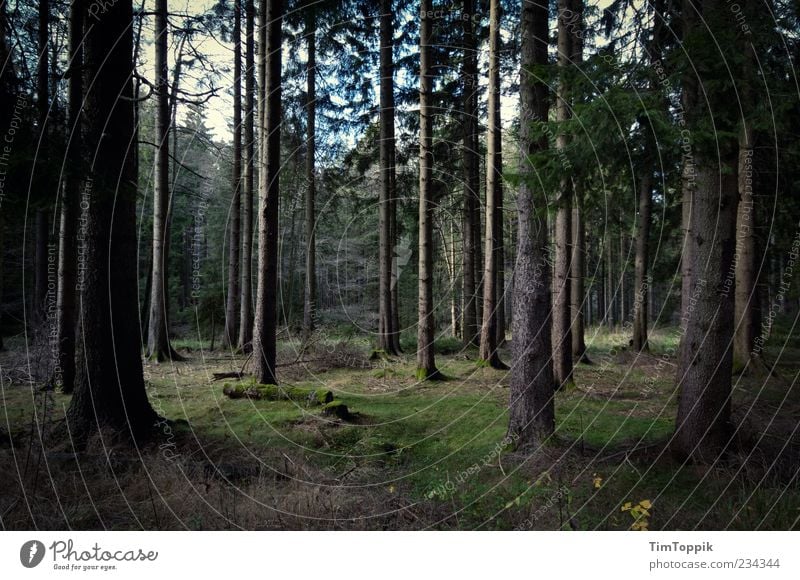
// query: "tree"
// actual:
[[109, 385], [705, 358], [265, 331], [310, 289], [246, 301], [568, 14], [42, 233], [426, 364], [531, 401], [494, 192], [471, 168], [158, 345], [65, 302], [387, 339], [232, 303]]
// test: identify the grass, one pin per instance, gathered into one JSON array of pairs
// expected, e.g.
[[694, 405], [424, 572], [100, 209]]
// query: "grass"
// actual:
[[420, 454]]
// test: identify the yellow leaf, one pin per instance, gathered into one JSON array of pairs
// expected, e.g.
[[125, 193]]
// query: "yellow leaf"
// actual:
[[626, 506], [646, 504]]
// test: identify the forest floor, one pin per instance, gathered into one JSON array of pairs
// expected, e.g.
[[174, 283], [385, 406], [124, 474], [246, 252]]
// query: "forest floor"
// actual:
[[412, 455]]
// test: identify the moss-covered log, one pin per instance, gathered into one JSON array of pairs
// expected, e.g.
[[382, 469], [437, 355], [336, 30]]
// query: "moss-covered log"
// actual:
[[277, 393]]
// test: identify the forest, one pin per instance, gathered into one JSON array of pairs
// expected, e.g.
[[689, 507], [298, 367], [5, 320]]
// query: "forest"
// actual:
[[399, 265]]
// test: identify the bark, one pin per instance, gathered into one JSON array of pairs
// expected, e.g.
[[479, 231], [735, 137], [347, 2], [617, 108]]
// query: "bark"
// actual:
[[41, 233], [488, 350], [158, 346], [471, 180], [246, 302], [232, 299], [386, 261], [705, 361], [531, 405], [65, 302], [745, 356], [109, 386], [41, 241], [562, 337], [265, 331], [310, 290], [642, 279], [426, 364], [577, 288]]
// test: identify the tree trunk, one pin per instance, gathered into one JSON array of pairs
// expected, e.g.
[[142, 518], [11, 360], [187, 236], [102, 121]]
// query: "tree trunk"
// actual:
[[65, 369], [703, 428], [562, 337], [310, 294], [577, 289], [246, 302], [531, 406], [386, 325], [41, 233], [265, 331], [745, 357], [232, 299], [494, 188], [426, 365], [471, 180], [642, 283], [109, 386], [158, 346]]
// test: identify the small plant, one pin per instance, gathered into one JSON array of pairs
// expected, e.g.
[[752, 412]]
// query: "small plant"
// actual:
[[640, 514]]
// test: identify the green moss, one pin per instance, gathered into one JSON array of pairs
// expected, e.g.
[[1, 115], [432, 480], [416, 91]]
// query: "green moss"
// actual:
[[277, 393], [338, 409]]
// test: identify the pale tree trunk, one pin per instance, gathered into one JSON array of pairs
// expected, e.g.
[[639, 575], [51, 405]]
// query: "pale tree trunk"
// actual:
[[471, 180], [531, 405], [310, 293], [562, 337], [246, 300], [265, 331], [426, 364], [65, 302], [489, 354], [158, 346], [232, 299], [109, 386], [642, 279], [705, 361], [387, 341]]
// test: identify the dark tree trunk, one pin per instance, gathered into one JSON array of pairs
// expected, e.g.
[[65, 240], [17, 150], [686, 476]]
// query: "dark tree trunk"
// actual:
[[386, 262], [265, 331], [494, 190], [577, 288], [41, 240], [246, 302], [531, 406], [232, 301], [158, 346], [562, 336], [471, 180], [310, 293], [706, 356], [642, 282], [426, 364], [109, 386], [41, 233], [65, 370]]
